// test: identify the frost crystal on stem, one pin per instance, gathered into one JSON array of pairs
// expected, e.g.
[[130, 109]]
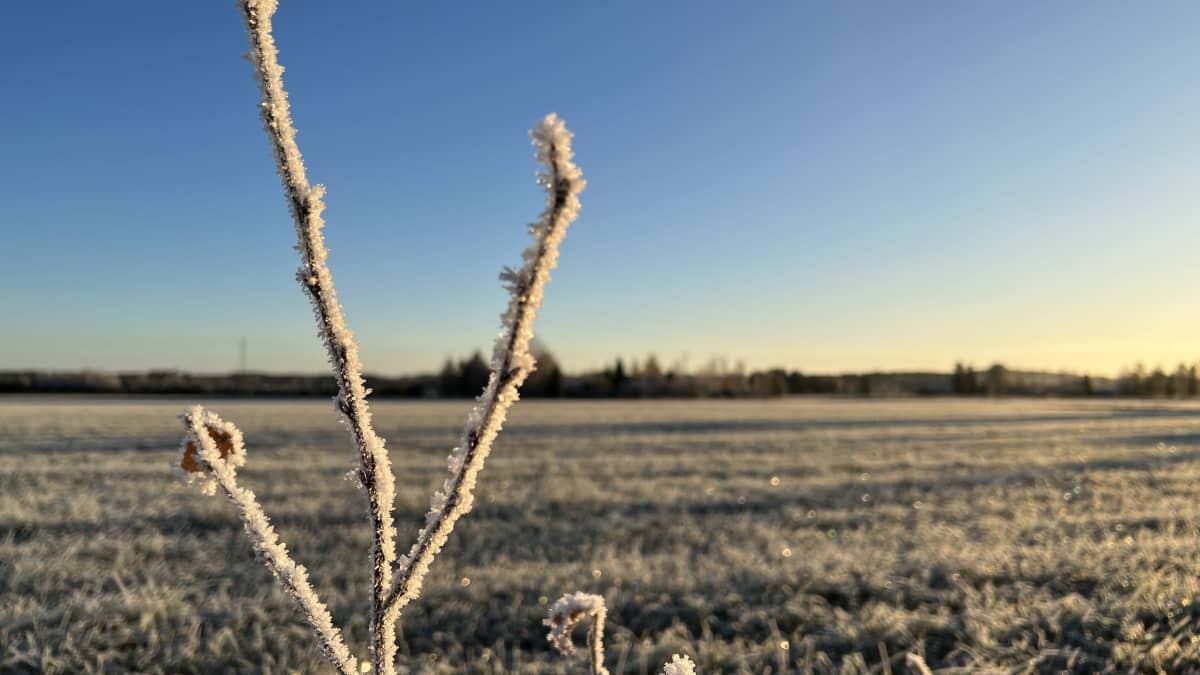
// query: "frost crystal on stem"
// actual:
[[306, 205], [572, 608], [568, 611], [679, 665], [214, 447], [511, 360]]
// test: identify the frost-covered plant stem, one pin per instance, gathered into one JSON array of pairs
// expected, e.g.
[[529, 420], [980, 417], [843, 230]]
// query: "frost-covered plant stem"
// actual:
[[511, 364], [569, 610], [201, 425], [572, 608], [511, 361], [306, 205], [917, 664]]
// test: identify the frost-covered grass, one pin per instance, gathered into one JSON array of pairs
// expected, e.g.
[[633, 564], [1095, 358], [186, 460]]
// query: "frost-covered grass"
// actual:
[[754, 536]]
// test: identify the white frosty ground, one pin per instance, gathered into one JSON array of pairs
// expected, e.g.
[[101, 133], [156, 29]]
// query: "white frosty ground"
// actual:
[[994, 535]]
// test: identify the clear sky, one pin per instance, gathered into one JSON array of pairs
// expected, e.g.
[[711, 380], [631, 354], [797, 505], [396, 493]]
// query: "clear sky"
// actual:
[[826, 186]]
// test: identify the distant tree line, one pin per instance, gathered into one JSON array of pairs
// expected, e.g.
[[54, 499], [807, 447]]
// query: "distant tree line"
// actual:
[[1182, 383], [998, 380], [466, 378]]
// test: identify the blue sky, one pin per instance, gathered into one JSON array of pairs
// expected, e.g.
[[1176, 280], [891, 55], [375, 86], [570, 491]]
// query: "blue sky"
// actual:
[[836, 186]]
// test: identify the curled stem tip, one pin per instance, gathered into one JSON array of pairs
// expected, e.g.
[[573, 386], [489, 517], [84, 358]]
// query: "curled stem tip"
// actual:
[[215, 448]]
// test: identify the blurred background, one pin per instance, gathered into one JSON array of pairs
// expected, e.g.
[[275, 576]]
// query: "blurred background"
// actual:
[[897, 303]]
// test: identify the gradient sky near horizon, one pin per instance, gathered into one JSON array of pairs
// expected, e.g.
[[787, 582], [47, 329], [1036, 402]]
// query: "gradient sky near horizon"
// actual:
[[837, 186]]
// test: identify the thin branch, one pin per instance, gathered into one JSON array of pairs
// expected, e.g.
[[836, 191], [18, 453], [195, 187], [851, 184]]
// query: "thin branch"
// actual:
[[306, 205], [917, 664], [569, 610], [212, 448], [511, 362], [572, 608]]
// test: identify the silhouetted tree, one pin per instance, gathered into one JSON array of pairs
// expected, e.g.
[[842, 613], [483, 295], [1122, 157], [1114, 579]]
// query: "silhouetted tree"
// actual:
[[997, 380], [770, 383], [1179, 382], [473, 375], [448, 380], [618, 376], [958, 383], [964, 382], [1158, 384], [1134, 384], [652, 369], [547, 379]]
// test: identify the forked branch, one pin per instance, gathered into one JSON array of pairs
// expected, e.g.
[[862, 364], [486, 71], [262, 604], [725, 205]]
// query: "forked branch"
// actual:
[[511, 364]]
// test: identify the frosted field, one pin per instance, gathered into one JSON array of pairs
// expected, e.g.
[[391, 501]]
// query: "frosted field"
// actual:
[[778, 536]]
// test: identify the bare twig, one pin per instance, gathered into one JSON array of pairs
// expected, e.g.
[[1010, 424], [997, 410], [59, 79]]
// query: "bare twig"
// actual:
[[568, 611], [917, 664], [511, 362], [572, 608], [212, 448], [306, 205]]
